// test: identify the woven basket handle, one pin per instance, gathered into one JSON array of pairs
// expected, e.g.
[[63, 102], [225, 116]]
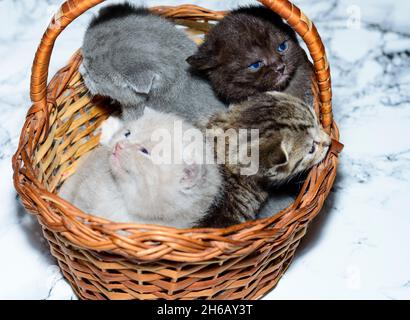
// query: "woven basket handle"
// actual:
[[72, 9], [307, 30]]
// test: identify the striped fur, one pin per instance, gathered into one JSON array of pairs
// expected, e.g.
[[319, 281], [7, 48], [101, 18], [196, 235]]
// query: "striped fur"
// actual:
[[288, 131]]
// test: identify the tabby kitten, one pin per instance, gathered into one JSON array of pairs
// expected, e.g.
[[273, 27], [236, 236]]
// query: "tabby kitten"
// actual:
[[291, 140], [251, 51], [240, 200]]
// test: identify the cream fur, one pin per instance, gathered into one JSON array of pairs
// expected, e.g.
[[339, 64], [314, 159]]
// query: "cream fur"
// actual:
[[128, 187]]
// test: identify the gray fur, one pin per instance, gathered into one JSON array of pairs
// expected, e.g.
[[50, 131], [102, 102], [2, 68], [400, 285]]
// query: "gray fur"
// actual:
[[138, 59]]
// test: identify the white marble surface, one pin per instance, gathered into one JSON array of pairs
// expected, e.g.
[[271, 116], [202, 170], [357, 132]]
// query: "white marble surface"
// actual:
[[358, 248]]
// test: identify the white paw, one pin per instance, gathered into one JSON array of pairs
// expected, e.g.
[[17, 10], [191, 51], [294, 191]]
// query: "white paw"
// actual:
[[108, 129]]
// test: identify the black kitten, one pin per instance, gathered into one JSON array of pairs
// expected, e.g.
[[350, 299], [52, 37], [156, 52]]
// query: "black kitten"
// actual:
[[250, 51]]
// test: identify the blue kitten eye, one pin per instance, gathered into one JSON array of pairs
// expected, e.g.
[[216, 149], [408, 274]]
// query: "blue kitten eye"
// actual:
[[256, 66], [143, 150], [127, 133], [283, 47]]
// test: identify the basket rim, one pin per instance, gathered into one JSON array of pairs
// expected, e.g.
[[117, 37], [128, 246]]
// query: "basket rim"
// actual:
[[202, 243]]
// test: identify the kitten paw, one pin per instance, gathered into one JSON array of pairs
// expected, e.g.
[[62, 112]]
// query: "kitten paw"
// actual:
[[108, 129]]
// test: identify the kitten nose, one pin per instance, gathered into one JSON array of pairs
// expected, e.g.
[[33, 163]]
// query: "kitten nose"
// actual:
[[280, 68], [119, 146]]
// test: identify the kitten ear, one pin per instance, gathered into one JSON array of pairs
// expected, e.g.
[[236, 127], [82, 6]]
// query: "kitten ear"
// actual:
[[191, 176], [202, 61], [140, 82], [281, 157]]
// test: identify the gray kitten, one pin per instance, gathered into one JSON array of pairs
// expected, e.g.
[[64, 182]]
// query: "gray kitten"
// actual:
[[138, 59]]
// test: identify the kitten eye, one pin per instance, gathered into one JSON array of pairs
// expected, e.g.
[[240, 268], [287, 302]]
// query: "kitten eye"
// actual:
[[283, 47], [313, 148], [143, 150], [256, 66], [127, 133]]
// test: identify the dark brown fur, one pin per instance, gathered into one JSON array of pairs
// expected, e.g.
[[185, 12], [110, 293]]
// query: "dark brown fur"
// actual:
[[245, 36]]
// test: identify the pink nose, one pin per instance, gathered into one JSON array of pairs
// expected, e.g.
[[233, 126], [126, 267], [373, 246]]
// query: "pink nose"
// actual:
[[118, 147]]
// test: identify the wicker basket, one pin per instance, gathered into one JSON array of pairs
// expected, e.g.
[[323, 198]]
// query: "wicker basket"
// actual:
[[144, 261]]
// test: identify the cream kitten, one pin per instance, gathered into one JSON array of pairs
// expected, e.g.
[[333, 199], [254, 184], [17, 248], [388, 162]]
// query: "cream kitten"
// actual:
[[123, 180]]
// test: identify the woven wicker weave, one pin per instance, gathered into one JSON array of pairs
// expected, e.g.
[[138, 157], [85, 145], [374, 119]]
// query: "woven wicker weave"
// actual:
[[142, 261]]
